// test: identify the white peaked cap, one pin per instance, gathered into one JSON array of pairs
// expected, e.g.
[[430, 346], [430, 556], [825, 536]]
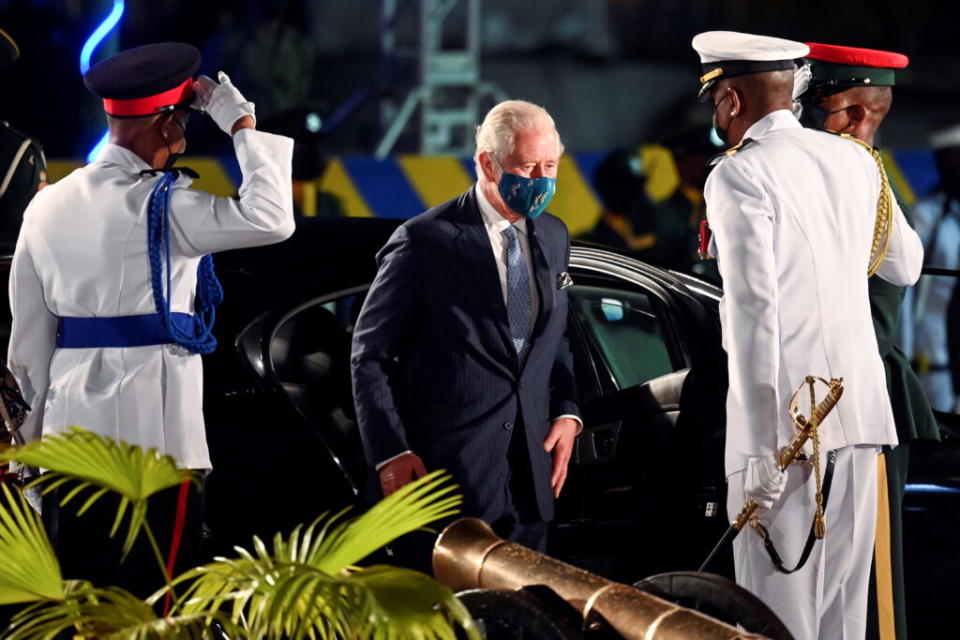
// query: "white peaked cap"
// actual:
[[946, 138], [727, 54], [716, 46]]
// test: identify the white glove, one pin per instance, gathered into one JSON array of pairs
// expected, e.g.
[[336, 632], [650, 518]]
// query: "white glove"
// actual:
[[763, 481], [222, 102]]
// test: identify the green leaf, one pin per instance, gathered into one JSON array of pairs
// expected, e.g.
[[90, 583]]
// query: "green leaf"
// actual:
[[110, 613], [29, 570], [307, 586], [98, 461], [410, 508], [402, 603]]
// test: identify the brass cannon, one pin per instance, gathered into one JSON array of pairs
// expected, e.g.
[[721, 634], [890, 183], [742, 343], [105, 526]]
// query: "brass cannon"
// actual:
[[469, 555]]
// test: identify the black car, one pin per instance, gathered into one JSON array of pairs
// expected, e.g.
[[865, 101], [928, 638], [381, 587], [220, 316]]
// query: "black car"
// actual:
[[646, 489], [647, 476]]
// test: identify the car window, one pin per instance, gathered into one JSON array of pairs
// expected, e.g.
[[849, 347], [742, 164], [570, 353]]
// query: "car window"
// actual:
[[628, 328]]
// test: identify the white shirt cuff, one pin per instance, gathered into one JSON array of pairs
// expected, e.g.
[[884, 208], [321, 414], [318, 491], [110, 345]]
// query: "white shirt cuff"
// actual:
[[572, 417], [384, 463]]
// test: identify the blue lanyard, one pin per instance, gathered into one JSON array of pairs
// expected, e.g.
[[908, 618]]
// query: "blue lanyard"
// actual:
[[209, 291]]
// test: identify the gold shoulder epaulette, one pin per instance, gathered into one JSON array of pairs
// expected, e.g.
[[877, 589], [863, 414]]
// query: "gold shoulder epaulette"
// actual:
[[883, 225], [732, 151]]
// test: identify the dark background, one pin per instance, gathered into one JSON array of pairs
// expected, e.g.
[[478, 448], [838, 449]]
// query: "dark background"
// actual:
[[613, 72]]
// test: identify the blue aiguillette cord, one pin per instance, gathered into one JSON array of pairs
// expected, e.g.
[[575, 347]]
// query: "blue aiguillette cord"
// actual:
[[209, 291]]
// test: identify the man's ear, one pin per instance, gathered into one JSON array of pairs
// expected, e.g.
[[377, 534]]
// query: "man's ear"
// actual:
[[736, 103], [487, 166], [163, 123]]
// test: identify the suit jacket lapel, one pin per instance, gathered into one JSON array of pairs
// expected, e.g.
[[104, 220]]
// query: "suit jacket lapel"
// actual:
[[473, 244], [545, 288]]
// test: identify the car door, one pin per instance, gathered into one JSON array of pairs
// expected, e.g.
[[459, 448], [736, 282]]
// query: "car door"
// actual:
[[637, 496]]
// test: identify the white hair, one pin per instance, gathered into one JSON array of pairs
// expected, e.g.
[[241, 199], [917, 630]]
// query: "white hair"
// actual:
[[496, 133]]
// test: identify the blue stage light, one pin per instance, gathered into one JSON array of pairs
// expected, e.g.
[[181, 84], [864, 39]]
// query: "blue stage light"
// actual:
[[930, 488], [96, 148], [86, 53], [99, 34]]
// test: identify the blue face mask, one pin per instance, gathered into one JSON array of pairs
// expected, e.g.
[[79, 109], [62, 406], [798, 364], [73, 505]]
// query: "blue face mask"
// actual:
[[527, 196]]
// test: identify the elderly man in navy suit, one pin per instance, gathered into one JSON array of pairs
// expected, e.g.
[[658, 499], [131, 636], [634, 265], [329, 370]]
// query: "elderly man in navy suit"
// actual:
[[460, 357]]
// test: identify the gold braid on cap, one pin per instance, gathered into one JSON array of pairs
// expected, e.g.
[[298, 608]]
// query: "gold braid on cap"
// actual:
[[884, 223]]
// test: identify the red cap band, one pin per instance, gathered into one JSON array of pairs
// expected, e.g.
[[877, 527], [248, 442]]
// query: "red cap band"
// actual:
[[856, 57], [151, 104]]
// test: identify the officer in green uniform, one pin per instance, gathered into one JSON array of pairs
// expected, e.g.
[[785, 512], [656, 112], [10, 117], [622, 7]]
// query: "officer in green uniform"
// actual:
[[23, 169], [850, 91]]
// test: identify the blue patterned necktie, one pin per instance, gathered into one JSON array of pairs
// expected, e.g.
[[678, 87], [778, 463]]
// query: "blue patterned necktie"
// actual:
[[519, 304]]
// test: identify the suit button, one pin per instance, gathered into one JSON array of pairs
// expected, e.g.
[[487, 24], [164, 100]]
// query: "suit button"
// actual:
[[508, 425]]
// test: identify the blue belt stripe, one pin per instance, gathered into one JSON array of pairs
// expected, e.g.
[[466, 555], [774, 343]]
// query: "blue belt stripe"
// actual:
[[118, 331]]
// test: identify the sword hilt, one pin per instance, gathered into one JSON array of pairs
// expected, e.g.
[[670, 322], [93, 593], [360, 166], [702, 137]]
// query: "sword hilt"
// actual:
[[745, 514], [805, 425]]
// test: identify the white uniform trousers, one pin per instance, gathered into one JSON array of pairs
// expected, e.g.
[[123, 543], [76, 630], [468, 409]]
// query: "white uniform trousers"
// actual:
[[827, 598]]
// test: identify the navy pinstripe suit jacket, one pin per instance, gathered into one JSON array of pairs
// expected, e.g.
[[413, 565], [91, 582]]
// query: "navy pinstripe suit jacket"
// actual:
[[434, 370]]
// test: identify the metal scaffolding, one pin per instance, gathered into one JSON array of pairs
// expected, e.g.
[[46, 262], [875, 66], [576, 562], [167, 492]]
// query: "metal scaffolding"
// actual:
[[446, 86]]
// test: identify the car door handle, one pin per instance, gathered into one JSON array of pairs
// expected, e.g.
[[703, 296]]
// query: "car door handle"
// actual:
[[598, 444]]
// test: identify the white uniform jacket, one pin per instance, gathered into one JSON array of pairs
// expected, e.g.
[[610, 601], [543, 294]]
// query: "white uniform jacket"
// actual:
[[792, 216], [82, 252]]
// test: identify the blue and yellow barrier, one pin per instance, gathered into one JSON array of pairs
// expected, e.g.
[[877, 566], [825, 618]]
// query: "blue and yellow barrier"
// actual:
[[405, 185]]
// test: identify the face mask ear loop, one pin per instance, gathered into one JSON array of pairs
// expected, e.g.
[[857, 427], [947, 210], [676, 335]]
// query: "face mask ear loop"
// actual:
[[171, 156]]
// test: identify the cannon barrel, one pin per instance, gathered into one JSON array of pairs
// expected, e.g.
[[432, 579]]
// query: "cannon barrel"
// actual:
[[468, 555]]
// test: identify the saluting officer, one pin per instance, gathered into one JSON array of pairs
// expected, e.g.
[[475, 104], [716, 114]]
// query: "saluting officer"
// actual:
[[793, 246], [850, 90], [110, 277]]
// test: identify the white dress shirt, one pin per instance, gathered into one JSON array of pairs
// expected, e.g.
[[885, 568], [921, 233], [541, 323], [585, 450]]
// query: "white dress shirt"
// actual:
[[82, 252], [496, 224], [792, 216]]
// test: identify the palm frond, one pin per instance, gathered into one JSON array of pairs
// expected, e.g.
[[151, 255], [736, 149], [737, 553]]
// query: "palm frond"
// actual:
[[410, 508], [98, 462], [298, 601], [306, 586], [29, 570], [110, 613], [402, 603]]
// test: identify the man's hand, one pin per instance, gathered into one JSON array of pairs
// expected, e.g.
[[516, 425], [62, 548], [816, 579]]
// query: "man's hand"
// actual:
[[223, 103], [560, 442], [764, 481], [401, 471]]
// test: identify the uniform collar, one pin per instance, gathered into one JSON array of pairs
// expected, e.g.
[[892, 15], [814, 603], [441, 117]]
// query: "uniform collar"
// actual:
[[492, 220], [779, 119], [121, 156]]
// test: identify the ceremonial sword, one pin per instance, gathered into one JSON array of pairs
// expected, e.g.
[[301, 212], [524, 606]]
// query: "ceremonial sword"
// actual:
[[788, 455]]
